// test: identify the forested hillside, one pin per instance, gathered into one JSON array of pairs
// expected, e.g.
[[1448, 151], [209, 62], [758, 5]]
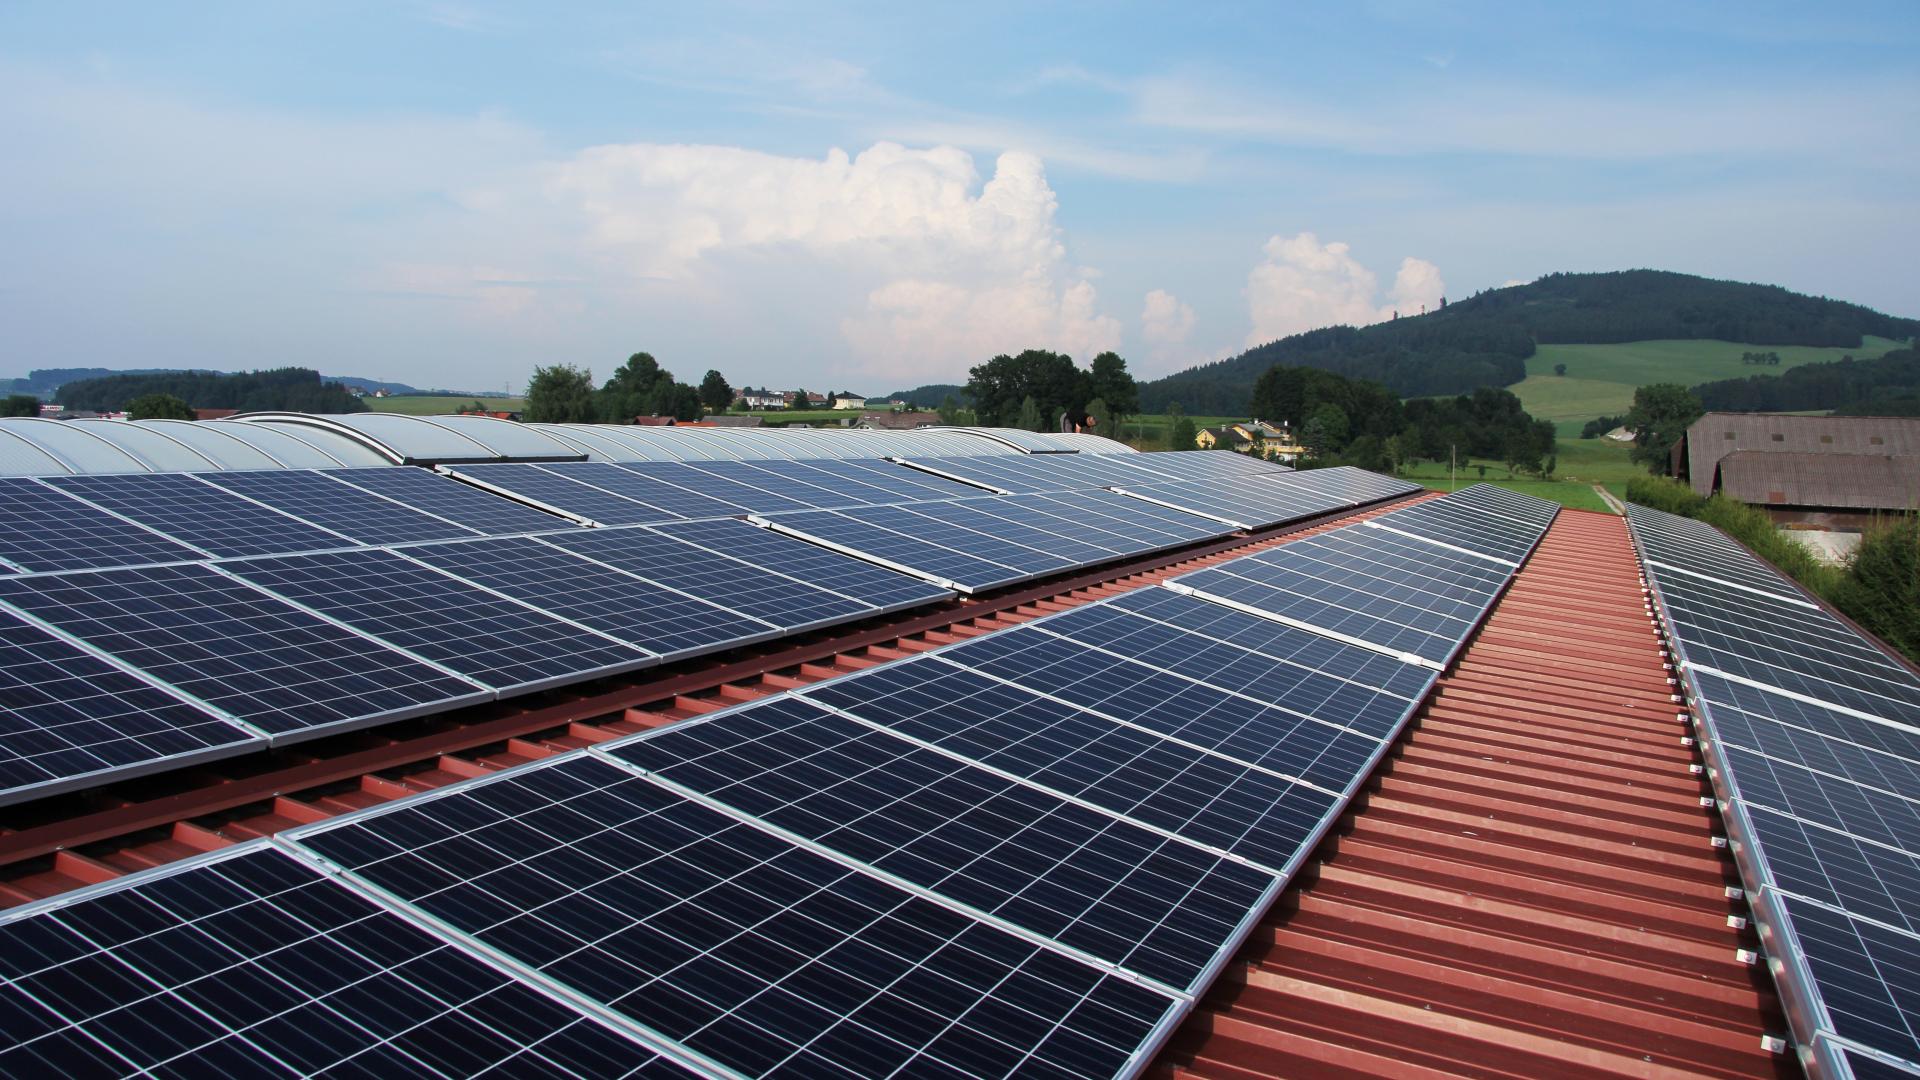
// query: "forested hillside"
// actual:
[[295, 389], [1486, 339], [1853, 386]]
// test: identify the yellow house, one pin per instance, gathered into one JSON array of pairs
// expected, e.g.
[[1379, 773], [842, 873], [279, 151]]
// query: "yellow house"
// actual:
[[1273, 440]]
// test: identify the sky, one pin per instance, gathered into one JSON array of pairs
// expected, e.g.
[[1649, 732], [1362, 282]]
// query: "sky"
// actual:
[[873, 197]]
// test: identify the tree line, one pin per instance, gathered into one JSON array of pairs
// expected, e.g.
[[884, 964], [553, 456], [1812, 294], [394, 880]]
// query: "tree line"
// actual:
[[1036, 388], [289, 389], [565, 394], [1846, 385]]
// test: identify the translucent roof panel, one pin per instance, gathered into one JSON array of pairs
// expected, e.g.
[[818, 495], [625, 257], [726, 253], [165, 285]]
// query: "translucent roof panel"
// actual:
[[150, 446], [582, 437], [414, 440], [214, 443], [1095, 444], [74, 449], [1031, 442], [301, 447], [521, 442], [20, 456]]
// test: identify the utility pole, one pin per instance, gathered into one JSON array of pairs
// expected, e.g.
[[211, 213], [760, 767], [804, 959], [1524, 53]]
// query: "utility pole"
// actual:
[[1453, 467]]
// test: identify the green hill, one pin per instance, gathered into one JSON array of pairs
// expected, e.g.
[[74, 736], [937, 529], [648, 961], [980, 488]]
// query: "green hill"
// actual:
[[1600, 379], [1496, 339]]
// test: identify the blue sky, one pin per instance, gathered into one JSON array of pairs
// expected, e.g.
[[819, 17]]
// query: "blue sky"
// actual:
[[879, 196]]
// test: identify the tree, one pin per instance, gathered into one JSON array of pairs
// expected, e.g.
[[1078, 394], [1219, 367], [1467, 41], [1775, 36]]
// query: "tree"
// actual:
[[999, 388], [1326, 432], [1559, 369], [159, 407], [1660, 415], [632, 389], [561, 394], [1104, 422], [799, 399], [1180, 433], [20, 405], [949, 410], [1108, 381], [676, 399], [715, 394], [1031, 418]]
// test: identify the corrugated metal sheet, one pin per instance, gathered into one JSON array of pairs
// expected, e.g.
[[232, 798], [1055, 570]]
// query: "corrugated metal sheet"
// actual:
[[1853, 481], [1531, 887], [1718, 434]]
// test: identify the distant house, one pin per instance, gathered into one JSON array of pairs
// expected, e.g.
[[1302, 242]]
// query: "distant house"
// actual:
[[1833, 470], [849, 401], [764, 399], [896, 420], [722, 420], [1273, 440]]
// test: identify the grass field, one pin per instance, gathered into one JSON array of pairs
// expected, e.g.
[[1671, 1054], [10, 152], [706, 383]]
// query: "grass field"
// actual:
[[422, 405], [1600, 379]]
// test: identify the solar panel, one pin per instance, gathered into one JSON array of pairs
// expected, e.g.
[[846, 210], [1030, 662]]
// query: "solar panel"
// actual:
[[69, 719], [1695, 602], [1393, 624], [1867, 977], [736, 586], [1385, 554], [1460, 526], [1888, 816], [245, 653], [1028, 526], [878, 587], [1246, 502], [716, 486], [1271, 736], [1832, 742], [1399, 574], [251, 963], [1250, 655], [675, 501], [206, 517], [1202, 465], [42, 529], [931, 556], [662, 621], [1203, 797], [757, 953], [446, 497], [840, 488], [1512, 504], [908, 485], [508, 646], [745, 483], [1127, 516], [1120, 893], [540, 486], [1867, 880], [1826, 683], [342, 508]]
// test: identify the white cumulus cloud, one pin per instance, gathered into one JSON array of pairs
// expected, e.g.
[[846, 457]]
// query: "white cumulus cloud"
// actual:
[[1166, 319], [1304, 285], [931, 269]]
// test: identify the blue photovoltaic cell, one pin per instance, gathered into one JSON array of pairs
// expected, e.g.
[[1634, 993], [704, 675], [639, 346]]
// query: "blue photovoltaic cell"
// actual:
[[904, 484], [205, 516], [840, 489], [766, 957], [446, 497], [719, 580], [1878, 755], [875, 585], [1402, 579], [1860, 878], [1202, 465], [1379, 621], [1880, 815], [1388, 555], [1825, 682], [1250, 655], [66, 715], [256, 965], [43, 529], [686, 476], [1129, 516], [1867, 976], [500, 643], [1270, 735], [656, 619], [924, 555], [1690, 603], [537, 484], [1465, 527], [1202, 797], [757, 490], [1005, 518], [1512, 504], [673, 501], [343, 508], [242, 651], [1088, 880]]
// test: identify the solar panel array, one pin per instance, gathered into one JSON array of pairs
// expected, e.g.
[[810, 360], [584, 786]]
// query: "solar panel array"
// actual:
[[1812, 735], [1412, 582], [1036, 473], [1025, 853]]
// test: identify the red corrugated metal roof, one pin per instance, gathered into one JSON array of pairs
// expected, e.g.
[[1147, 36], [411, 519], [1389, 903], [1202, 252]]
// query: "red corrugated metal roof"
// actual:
[[1529, 889]]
